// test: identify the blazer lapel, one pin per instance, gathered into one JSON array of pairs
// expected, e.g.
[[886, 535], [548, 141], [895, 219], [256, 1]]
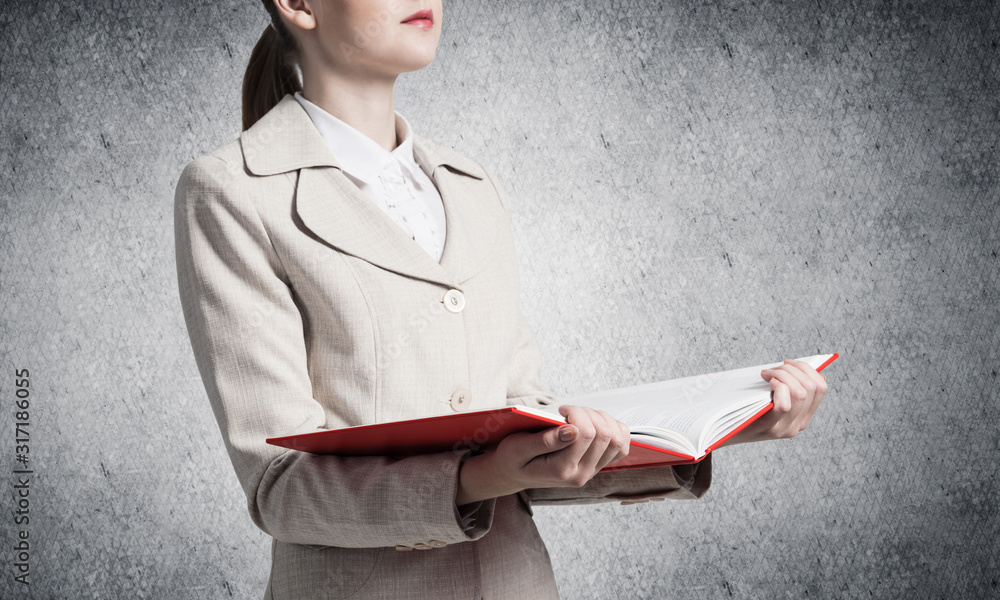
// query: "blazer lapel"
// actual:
[[472, 209], [333, 208]]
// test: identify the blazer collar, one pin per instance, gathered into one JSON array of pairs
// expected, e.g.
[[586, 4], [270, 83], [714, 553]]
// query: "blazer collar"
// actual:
[[334, 209], [285, 139]]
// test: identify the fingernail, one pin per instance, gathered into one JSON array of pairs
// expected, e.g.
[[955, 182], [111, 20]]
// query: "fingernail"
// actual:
[[765, 371], [567, 433]]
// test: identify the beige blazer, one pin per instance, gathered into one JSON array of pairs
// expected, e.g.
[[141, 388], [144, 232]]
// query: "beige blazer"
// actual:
[[308, 308]]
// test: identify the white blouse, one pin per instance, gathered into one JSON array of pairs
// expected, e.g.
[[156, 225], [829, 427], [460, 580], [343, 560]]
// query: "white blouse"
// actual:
[[393, 180]]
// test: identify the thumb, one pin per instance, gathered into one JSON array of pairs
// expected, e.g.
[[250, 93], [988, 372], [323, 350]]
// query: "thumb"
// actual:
[[530, 445]]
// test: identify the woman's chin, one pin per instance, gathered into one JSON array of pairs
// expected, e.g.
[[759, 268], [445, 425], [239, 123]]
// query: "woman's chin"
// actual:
[[416, 61]]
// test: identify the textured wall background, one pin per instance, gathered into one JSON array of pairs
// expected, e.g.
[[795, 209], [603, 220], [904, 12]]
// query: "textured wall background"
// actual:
[[696, 186]]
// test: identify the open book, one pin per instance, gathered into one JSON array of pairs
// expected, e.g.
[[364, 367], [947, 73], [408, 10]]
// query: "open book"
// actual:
[[672, 422]]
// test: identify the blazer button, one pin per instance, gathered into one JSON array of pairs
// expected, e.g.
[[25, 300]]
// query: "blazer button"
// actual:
[[454, 301], [460, 400], [421, 546], [437, 544], [403, 548]]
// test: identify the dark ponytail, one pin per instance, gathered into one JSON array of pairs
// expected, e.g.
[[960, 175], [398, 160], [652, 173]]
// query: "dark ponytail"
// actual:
[[271, 72]]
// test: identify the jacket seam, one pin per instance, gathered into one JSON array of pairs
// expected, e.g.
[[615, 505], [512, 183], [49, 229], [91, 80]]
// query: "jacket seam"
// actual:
[[378, 561], [260, 221], [267, 232], [376, 329], [496, 188]]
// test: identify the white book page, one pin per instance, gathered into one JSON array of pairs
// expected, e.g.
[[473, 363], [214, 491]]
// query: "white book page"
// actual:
[[690, 413]]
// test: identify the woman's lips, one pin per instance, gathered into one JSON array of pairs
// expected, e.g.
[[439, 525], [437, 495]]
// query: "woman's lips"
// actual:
[[423, 19]]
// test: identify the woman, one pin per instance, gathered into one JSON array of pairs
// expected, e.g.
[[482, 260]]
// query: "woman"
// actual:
[[336, 269]]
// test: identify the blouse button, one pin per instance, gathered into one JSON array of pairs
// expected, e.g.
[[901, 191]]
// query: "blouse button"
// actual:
[[454, 301]]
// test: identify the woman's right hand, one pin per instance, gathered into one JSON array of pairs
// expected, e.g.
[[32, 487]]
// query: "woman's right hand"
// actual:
[[564, 456]]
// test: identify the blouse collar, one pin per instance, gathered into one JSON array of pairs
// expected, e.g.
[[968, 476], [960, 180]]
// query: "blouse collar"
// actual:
[[358, 154]]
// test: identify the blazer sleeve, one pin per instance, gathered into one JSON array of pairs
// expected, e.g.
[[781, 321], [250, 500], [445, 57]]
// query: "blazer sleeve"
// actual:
[[247, 335], [525, 387]]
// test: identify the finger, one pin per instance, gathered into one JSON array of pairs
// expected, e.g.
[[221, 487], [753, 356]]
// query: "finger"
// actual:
[[581, 418], [602, 449], [784, 413], [820, 392], [811, 380], [620, 443], [617, 453], [527, 446], [806, 376], [610, 455], [811, 411], [797, 393], [817, 378], [603, 440], [628, 439], [781, 397], [622, 435]]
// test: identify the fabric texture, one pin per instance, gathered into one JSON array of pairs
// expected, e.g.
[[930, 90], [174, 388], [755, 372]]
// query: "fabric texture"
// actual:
[[308, 308], [391, 179]]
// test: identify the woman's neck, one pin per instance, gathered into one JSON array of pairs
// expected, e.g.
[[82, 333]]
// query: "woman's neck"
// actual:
[[364, 105]]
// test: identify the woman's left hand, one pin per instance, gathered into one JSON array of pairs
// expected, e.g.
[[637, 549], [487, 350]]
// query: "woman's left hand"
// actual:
[[797, 389]]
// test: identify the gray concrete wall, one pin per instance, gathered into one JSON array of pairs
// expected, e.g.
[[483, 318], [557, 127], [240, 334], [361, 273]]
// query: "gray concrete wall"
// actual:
[[695, 186]]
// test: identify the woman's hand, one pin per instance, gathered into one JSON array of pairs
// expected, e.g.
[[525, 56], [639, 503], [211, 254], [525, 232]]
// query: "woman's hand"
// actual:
[[797, 390], [564, 456]]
